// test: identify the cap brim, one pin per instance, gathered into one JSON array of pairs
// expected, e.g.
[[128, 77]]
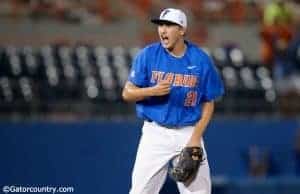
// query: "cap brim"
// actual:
[[160, 21]]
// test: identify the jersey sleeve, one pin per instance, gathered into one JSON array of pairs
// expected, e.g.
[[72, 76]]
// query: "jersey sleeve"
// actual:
[[213, 84], [138, 72]]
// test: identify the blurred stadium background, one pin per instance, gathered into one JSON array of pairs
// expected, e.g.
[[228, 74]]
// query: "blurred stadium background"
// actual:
[[63, 64]]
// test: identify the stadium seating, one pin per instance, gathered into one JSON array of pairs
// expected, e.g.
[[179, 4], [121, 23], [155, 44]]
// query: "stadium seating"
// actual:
[[57, 77]]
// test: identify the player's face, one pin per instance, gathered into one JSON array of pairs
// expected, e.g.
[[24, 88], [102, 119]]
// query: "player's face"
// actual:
[[170, 34]]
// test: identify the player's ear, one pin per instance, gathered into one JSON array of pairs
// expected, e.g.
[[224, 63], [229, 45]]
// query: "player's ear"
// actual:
[[182, 31]]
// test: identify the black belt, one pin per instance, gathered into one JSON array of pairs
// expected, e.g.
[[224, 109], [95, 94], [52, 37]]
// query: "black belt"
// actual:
[[163, 125]]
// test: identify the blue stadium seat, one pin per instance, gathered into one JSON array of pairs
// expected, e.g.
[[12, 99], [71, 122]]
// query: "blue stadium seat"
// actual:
[[230, 77], [26, 89], [236, 57], [30, 62], [220, 57], [247, 77], [14, 61], [120, 66], [7, 95]]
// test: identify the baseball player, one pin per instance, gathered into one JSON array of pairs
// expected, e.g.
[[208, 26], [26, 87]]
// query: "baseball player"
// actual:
[[174, 85]]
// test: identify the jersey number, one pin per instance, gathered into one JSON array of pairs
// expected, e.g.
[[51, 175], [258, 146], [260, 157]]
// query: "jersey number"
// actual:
[[191, 98]]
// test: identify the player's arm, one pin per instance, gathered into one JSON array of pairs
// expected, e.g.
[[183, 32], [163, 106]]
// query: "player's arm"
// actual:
[[133, 93], [207, 112]]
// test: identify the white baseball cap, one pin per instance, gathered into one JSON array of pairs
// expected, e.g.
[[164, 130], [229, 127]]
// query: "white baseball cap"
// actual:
[[171, 15]]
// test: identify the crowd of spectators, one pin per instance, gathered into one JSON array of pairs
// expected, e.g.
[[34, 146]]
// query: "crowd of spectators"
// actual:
[[236, 11], [60, 10], [201, 13], [280, 46], [108, 11]]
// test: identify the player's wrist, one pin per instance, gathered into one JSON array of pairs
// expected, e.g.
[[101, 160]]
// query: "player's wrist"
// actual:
[[193, 143], [148, 91]]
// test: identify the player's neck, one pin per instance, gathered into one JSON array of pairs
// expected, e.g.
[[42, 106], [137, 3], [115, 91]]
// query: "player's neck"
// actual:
[[178, 50]]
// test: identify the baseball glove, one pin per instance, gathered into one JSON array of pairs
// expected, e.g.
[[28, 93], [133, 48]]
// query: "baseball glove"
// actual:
[[186, 165]]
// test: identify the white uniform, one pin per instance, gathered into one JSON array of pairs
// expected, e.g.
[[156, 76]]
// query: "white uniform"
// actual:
[[159, 145]]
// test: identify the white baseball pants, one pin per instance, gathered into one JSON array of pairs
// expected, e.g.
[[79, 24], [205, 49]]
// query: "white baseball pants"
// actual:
[[159, 145]]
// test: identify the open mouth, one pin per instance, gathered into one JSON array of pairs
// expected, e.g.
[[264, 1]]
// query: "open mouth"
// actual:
[[164, 39]]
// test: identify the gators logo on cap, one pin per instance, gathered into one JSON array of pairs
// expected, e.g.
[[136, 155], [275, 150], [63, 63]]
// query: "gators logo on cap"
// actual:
[[165, 13]]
